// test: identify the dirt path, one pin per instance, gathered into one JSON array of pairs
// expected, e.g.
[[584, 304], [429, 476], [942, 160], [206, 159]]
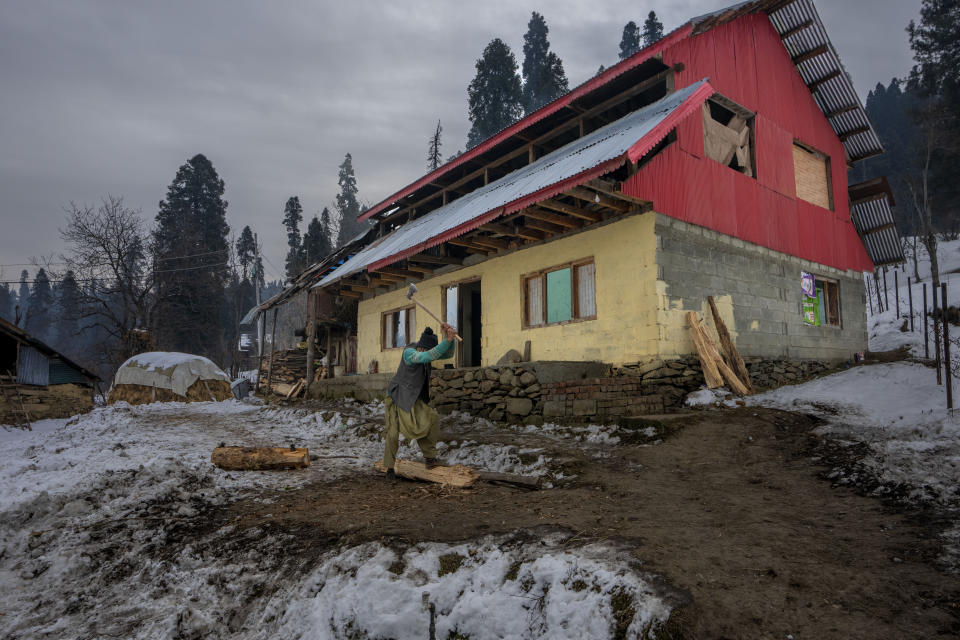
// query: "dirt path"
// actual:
[[729, 508]]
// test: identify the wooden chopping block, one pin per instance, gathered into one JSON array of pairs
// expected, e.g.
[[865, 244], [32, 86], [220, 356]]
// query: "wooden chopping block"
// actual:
[[260, 458], [456, 476]]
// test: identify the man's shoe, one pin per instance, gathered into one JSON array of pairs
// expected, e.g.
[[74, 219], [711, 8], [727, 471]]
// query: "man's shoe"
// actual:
[[432, 462], [391, 476]]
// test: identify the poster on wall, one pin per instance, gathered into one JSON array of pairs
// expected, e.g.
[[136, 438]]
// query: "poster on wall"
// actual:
[[811, 304]]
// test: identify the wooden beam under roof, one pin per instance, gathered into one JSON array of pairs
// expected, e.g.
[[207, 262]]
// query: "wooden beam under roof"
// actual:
[[811, 54], [396, 271], [592, 196], [430, 259], [529, 234], [819, 82], [846, 135], [487, 241], [613, 190], [843, 110], [493, 227], [554, 218], [420, 268], [360, 287], [346, 293], [570, 210], [797, 29], [540, 225], [460, 242]]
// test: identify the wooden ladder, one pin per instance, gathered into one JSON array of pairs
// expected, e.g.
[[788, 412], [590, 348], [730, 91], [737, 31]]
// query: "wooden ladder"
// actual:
[[14, 401]]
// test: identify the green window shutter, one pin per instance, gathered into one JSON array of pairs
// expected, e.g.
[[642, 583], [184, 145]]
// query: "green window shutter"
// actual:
[[559, 308]]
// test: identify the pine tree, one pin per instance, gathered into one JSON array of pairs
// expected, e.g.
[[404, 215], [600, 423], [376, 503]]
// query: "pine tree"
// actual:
[[192, 248], [246, 250], [292, 216], [326, 227], [495, 93], [543, 77], [41, 306], [69, 310], [630, 41], [6, 302], [23, 298], [652, 29], [348, 205], [434, 159], [316, 243]]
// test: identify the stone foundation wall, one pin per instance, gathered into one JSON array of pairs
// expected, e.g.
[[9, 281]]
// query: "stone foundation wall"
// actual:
[[531, 394]]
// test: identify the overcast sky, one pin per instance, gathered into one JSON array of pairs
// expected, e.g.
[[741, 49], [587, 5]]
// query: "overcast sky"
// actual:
[[112, 96]]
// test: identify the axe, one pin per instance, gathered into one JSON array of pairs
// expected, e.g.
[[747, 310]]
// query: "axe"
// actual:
[[412, 290]]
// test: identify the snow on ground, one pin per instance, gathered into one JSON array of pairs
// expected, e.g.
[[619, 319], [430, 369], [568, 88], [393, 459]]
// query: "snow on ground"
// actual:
[[104, 532], [497, 587]]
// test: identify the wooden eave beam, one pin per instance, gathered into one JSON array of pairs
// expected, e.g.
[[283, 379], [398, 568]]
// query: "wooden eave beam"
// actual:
[[611, 189], [870, 232], [843, 110], [797, 29], [420, 269], [467, 244], [487, 241], [429, 259], [846, 135], [529, 234], [360, 287], [819, 82], [553, 218], [347, 293], [570, 210], [396, 272], [810, 55], [540, 225], [591, 196], [502, 229]]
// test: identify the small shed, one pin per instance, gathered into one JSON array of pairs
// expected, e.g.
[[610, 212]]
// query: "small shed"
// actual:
[[38, 382]]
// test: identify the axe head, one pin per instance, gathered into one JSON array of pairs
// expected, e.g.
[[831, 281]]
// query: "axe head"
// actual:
[[412, 290]]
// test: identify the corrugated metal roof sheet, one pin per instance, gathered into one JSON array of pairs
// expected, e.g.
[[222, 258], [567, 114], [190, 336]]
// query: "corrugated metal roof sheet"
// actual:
[[873, 220], [836, 94], [629, 136]]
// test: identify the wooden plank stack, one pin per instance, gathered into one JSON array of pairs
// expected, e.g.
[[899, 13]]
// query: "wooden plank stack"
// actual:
[[289, 366], [718, 370]]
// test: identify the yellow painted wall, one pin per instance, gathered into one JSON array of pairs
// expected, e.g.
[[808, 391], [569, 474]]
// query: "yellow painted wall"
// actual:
[[628, 302]]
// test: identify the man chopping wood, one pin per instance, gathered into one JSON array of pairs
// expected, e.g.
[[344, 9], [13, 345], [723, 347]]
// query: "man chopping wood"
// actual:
[[406, 408]]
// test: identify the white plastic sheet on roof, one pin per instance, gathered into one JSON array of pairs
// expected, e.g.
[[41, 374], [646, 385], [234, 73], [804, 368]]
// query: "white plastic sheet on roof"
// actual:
[[602, 145], [168, 370]]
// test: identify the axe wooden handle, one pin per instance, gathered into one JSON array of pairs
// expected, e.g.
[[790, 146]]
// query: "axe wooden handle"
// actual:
[[434, 316]]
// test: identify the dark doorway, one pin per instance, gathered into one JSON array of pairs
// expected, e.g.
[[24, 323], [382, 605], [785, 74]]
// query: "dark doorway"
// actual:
[[463, 310]]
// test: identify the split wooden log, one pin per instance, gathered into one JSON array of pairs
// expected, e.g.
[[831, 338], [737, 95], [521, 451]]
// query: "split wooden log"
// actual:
[[711, 373], [733, 356], [260, 458], [456, 476], [732, 380]]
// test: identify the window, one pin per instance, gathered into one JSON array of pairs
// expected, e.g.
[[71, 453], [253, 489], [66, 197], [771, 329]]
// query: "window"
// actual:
[[399, 328], [823, 309], [812, 171], [727, 131], [560, 294]]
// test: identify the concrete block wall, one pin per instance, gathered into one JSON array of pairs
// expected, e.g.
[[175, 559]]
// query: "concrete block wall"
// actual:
[[763, 287]]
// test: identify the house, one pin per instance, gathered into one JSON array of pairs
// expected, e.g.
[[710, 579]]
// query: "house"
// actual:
[[37, 382], [712, 163]]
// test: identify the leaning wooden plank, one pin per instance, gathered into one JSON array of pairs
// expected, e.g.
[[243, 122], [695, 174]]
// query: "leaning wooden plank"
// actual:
[[295, 390], [455, 476], [729, 348], [260, 458], [524, 482], [732, 380], [711, 374], [281, 388]]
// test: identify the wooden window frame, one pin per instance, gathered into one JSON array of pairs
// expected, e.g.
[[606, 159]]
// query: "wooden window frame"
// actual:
[[827, 162], [830, 282], [574, 294], [411, 327]]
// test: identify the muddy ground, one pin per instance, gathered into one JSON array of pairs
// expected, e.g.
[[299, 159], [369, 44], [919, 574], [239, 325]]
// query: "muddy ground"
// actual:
[[733, 508]]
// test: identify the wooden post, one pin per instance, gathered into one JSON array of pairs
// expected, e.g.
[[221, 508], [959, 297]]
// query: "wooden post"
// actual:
[[936, 336], [910, 298], [946, 345], [329, 371], [926, 331], [886, 291], [876, 285], [896, 290], [273, 343], [311, 334]]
